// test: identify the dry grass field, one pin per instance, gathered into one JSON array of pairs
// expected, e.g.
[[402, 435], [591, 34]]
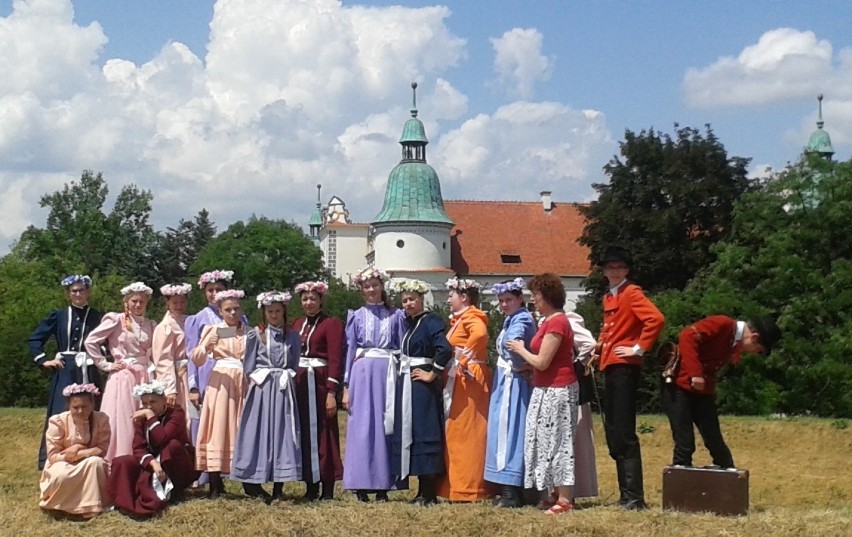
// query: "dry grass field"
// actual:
[[801, 485]]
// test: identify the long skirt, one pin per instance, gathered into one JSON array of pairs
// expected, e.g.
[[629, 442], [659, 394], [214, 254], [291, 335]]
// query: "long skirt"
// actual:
[[585, 470], [78, 488], [518, 401], [327, 439], [268, 448], [426, 456], [466, 432], [120, 404], [131, 485], [183, 396], [549, 442], [219, 420], [367, 463]]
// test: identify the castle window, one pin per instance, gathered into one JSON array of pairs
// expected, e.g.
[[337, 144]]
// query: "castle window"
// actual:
[[400, 243], [510, 258]]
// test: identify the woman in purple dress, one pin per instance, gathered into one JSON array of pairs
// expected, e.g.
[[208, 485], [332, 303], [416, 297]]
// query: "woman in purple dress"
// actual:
[[373, 332], [268, 446]]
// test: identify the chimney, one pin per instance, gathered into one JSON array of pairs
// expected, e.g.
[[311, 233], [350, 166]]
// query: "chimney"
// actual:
[[546, 201]]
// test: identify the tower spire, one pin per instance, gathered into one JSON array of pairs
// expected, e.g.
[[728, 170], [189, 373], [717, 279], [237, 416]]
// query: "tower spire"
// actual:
[[820, 122], [414, 99]]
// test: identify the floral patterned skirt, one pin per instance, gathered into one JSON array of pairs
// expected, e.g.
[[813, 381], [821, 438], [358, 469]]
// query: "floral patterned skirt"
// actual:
[[549, 439]]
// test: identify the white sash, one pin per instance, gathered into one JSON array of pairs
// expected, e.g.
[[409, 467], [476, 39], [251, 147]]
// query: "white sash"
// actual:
[[228, 363], [405, 364], [505, 368], [452, 372], [83, 362], [310, 364]]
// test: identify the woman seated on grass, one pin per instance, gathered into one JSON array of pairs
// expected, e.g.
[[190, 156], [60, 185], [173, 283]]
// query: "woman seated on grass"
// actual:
[[74, 480]]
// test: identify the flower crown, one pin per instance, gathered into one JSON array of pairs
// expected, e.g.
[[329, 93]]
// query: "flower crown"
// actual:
[[461, 284], [175, 289], [215, 276], [76, 389], [518, 284], [136, 287], [411, 286], [271, 297], [228, 293], [68, 281], [317, 287], [370, 272], [155, 387]]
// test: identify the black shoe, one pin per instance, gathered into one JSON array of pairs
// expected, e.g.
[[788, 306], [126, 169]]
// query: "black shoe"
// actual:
[[254, 490], [382, 496], [424, 502], [362, 496], [312, 492], [634, 489], [510, 496], [327, 491], [635, 505]]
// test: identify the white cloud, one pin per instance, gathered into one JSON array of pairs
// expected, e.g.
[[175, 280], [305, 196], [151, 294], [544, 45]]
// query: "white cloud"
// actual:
[[785, 64], [518, 61], [290, 94]]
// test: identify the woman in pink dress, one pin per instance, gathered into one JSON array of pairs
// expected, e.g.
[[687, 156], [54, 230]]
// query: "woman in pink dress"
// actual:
[[226, 390], [169, 347], [74, 480], [128, 335]]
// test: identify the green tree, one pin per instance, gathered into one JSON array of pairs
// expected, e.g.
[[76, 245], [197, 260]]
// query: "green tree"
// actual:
[[264, 254], [669, 200], [790, 257]]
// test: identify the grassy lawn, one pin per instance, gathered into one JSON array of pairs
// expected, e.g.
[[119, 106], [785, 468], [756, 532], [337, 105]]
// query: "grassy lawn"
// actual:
[[801, 485]]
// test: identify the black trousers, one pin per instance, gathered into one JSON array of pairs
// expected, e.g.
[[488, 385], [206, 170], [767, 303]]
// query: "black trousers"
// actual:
[[621, 383], [685, 409]]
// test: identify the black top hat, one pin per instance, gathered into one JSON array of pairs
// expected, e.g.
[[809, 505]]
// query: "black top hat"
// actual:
[[768, 331], [616, 254]]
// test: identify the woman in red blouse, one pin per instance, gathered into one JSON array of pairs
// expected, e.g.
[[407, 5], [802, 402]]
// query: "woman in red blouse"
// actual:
[[552, 414]]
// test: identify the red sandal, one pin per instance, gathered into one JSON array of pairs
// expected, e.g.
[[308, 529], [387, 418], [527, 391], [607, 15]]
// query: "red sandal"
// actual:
[[560, 507]]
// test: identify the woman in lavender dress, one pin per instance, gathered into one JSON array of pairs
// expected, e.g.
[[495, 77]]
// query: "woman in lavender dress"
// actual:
[[268, 445], [373, 332]]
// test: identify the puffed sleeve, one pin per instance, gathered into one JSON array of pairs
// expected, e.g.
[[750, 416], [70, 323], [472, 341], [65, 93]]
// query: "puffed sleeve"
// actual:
[[351, 343], [99, 337], [519, 328], [443, 349], [54, 436], [45, 329], [163, 349], [101, 432], [199, 354], [477, 339], [584, 341], [250, 359]]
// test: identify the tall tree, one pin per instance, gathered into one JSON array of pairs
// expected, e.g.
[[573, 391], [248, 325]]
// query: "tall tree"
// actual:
[[669, 200]]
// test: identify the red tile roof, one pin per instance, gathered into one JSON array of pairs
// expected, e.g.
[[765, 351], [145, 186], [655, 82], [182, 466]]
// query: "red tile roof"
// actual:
[[487, 234]]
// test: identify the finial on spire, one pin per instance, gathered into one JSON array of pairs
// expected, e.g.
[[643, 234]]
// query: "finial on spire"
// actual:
[[414, 99], [319, 188], [820, 122]]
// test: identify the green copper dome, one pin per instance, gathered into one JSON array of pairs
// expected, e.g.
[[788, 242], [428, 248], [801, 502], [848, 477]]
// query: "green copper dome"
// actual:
[[820, 141], [316, 218], [413, 193]]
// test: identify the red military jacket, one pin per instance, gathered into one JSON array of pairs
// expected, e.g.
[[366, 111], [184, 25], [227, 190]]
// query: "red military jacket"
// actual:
[[630, 319], [705, 347], [152, 436]]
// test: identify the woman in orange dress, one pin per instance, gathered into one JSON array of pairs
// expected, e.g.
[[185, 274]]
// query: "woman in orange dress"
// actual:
[[169, 347], [74, 480], [466, 395], [226, 390]]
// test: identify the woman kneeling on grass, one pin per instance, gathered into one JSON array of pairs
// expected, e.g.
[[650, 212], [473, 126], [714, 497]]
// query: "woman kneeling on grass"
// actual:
[[552, 414], [74, 480]]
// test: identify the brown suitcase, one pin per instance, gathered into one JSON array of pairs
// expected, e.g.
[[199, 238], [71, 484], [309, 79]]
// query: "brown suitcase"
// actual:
[[705, 489]]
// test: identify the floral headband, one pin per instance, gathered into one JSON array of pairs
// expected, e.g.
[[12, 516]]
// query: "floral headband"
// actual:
[[371, 272], [175, 289], [515, 285], [317, 287], [228, 293], [460, 284], [76, 278], [77, 389], [271, 297], [136, 287], [411, 286], [155, 387], [215, 276]]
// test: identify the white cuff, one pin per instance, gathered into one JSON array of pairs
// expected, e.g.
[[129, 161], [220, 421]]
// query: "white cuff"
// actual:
[[638, 350], [334, 381], [39, 357]]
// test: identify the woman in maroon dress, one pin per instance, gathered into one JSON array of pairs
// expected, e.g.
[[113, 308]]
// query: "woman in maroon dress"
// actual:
[[317, 382], [163, 460]]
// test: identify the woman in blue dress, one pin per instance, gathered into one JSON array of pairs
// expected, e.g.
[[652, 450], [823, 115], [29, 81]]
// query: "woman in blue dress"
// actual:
[[418, 408], [507, 413], [268, 444]]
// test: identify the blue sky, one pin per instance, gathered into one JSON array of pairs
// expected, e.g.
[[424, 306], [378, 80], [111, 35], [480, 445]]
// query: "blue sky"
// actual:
[[207, 107]]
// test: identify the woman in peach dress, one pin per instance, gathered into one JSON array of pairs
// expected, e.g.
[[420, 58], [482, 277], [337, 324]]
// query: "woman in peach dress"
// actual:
[[74, 479], [128, 335], [226, 390], [169, 347]]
